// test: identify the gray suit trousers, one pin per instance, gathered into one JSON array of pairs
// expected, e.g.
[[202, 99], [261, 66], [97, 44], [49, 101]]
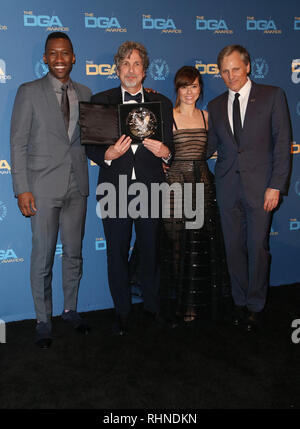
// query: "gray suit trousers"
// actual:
[[66, 215]]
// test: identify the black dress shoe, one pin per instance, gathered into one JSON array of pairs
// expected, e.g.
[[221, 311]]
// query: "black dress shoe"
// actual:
[[43, 337], [156, 320], [253, 321], [239, 315], [120, 326], [74, 319]]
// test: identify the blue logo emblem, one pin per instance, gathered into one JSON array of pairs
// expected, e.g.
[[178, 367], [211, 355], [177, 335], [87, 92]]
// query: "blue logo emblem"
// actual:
[[100, 244], [3, 211], [259, 68], [7, 254], [3, 76], [297, 187], [40, 69], [211, 24], [159, 69], [294, 224], [297, 24], [101, 22], [41, 21]]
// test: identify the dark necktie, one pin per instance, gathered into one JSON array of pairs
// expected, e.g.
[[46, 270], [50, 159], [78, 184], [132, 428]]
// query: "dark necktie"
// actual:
[[237, 123], [137, 97], [65, 106]]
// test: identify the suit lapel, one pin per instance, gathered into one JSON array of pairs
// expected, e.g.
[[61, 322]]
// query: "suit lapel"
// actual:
[[54, 112], [225, 115], [251, 110], [115, 96]]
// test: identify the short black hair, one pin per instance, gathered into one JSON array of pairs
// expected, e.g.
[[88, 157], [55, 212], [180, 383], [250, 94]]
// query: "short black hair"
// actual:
[[58, 35]]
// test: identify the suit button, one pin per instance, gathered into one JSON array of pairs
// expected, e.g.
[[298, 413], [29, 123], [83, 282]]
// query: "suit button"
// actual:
[[237, 171]]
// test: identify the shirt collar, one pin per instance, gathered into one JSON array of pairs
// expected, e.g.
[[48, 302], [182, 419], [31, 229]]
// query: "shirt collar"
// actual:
[[139, 91], [244, 91], [57, 84]]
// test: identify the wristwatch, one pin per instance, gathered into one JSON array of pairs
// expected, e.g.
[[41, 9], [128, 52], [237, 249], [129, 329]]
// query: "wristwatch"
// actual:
[[166, 160]]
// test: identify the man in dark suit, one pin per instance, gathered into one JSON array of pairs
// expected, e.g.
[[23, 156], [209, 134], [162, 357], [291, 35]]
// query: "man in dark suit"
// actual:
[[250, 129], [138, 164], [50, 179]]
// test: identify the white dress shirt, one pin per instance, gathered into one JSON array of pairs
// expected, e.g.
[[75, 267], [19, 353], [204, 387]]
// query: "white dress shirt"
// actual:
[[133, 146], [243, 99]]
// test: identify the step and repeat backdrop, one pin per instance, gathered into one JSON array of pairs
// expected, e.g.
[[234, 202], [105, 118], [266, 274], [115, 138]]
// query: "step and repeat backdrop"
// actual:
[[176, 33]]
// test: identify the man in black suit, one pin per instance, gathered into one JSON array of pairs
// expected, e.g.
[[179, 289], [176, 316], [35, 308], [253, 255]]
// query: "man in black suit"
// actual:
[[250, 129], [137, 163]]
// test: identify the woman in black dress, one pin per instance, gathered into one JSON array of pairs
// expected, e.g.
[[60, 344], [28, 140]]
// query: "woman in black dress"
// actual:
[[193, 269]]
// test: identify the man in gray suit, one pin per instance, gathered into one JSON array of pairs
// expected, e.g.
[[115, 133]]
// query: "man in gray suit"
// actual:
[[50, 179], [250, 129]]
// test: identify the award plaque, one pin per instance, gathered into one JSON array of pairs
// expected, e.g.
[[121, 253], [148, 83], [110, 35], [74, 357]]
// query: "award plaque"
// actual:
[[103, 124], [98, 123], [141, 121]]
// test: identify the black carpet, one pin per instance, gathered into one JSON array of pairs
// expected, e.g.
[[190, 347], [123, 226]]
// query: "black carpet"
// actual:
[[201, 365]]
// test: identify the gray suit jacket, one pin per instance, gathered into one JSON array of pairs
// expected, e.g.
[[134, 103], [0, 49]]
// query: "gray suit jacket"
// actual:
[[41, 151]]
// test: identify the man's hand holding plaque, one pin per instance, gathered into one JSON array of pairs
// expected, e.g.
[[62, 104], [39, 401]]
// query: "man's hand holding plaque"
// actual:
[[118, 149], [157, 148]]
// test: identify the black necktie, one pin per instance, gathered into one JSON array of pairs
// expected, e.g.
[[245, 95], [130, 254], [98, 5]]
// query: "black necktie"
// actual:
[[237, 123], [65, 106], [137, 97]]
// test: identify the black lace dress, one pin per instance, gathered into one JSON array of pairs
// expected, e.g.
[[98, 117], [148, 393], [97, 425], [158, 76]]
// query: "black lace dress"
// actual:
[[194, 278]]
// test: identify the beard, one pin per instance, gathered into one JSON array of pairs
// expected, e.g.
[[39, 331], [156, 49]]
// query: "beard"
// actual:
[[130, 83]]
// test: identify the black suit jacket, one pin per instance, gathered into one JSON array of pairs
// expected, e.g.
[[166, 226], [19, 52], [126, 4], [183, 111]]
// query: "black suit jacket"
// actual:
[[262, 160], [148, 167]]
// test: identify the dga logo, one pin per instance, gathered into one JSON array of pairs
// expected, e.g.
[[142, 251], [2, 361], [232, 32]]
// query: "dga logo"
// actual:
[[296, 71], [3, 76], [3, 27], [58, 250], [8, 256], [297, 23], [3, 211], [295, 148], [297, 187], [267, 26], [51, 23], [298, 108], [218, 26], [40, 69], [162, 24], [259, 68], [273, 232], [294, 224], [104, 23], [100, 244], [211, 69], [107, 70], [4, 167], [159, 69]]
